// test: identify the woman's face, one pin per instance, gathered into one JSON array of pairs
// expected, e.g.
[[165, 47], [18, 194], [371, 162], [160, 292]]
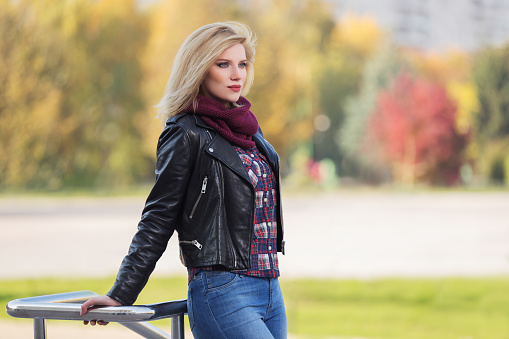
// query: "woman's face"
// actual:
[[226, 77]]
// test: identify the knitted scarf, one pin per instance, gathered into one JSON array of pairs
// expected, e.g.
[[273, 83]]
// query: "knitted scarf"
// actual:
[[237, 125]]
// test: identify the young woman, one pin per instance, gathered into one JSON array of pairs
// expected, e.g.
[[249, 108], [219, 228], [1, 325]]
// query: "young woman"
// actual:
[[218, 185]]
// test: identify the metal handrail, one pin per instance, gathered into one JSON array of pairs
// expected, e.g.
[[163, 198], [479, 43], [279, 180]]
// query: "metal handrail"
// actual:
[[67, 306]]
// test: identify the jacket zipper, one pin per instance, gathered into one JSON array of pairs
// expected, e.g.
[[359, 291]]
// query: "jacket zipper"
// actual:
[[194, 242], [202, 192]]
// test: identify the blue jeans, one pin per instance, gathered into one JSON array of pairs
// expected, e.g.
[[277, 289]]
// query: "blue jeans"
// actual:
[[229, 305]]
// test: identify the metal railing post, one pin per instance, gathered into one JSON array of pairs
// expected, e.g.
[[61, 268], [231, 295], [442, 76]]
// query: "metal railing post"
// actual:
[[177, 326], [39, 328]]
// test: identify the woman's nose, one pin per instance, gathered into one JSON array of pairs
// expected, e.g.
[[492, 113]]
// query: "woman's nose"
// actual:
[[235, 73]]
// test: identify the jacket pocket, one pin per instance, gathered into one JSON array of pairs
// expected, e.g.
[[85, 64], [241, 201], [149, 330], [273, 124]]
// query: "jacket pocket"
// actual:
[[192, 242], [202, 192]]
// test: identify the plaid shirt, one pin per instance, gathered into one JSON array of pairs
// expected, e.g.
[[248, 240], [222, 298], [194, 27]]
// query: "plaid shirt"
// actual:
[[264, 262]]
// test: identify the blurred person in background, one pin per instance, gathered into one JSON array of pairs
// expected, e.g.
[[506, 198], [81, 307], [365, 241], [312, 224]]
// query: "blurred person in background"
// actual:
[[218, 185]]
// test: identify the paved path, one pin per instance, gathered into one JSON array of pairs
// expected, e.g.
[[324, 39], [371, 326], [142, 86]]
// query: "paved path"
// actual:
[[356, 234]]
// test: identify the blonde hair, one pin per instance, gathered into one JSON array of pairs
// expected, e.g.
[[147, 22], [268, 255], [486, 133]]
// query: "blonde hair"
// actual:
[[194, 58]]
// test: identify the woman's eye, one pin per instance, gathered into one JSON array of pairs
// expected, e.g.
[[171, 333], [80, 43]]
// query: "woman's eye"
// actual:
[[243, 64], [222, 64]]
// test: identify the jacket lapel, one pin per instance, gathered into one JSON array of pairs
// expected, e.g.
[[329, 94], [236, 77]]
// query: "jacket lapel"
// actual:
[[222, 150]]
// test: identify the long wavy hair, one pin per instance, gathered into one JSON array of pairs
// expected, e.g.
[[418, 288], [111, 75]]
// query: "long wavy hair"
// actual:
[[194, 58]]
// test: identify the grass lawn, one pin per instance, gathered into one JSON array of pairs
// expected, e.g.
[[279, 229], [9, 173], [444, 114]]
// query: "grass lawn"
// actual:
[[460, 308]]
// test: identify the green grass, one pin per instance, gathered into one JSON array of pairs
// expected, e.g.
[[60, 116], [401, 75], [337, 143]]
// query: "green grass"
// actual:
[[457, 308], [399, 308]]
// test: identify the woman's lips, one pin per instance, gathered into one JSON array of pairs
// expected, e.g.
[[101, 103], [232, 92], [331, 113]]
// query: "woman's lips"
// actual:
[[235, 88]]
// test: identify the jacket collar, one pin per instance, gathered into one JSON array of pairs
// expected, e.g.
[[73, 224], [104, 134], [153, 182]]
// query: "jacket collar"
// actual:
[[266, 149], [201, 123], [222, 150]]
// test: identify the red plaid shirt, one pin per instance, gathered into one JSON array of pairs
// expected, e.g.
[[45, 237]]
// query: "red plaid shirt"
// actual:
[[264, 262]]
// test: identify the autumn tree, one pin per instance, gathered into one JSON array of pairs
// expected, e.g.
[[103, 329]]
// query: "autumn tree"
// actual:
[[104, 92], [70, 81], [453, 70], [31, 81], [413, 129]]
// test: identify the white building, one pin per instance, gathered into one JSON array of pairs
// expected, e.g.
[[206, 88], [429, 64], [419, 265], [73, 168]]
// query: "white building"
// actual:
[[436, 25]]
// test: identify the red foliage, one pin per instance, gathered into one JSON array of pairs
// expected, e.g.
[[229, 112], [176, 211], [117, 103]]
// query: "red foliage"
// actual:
[[414, 128]]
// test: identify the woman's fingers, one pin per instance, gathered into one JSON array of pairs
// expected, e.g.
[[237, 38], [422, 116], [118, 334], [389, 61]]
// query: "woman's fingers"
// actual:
[[102, 300], [94, 322], [86, 305]]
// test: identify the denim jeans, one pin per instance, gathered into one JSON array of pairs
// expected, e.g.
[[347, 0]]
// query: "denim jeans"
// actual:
[[229, 305]]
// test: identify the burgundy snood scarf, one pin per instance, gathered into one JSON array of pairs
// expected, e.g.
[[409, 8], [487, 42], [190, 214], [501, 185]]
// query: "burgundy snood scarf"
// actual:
[[237, 124]]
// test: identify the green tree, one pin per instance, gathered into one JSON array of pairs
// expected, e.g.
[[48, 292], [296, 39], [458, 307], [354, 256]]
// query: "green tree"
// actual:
[[491, 74], [353, 42], [378, 73]]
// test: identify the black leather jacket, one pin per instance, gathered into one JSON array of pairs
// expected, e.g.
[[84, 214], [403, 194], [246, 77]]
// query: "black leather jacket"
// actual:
[[203, 191]]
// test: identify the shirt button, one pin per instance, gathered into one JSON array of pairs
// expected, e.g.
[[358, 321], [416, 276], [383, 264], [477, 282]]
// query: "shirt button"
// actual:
[[252, 155], [270, 248], [265, 199], [211, 149], [264, 175]]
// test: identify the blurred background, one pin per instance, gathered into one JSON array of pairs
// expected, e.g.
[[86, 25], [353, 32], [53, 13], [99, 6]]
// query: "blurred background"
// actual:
[[391, 118], [349, 92]]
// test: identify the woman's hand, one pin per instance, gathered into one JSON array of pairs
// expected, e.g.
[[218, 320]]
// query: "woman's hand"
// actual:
[[102, 300]]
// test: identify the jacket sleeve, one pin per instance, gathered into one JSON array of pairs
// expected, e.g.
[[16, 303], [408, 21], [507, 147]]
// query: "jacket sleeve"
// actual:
[[160, 214]]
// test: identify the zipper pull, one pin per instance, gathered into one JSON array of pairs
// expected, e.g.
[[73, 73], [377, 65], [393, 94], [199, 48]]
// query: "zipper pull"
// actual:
[[204, 185], [197, 244]]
